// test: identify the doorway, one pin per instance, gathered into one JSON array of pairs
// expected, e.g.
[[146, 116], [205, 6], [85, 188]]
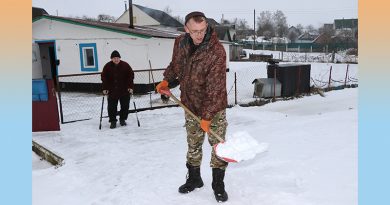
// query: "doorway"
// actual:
[[49, 61]]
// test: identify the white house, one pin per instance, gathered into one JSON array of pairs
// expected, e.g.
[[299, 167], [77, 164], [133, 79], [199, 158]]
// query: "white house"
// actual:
[[74, 46]]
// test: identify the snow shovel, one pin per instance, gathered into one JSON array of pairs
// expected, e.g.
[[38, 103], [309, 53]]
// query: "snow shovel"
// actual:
[[215, 147]]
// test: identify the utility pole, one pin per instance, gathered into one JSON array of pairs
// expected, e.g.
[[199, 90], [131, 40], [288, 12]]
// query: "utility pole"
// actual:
[[131, 14], [254, 29]]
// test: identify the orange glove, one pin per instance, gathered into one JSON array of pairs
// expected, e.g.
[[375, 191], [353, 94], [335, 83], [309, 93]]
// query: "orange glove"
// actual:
[[163, 85], [205, 125]]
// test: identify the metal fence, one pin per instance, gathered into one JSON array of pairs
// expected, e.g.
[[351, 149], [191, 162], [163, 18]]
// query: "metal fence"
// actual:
[[80, 96]]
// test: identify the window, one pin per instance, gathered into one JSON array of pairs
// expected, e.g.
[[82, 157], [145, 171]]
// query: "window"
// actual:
[[88, 57]]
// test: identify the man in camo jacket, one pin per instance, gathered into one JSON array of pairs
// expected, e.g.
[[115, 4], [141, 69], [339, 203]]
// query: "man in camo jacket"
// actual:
[[199, 64]]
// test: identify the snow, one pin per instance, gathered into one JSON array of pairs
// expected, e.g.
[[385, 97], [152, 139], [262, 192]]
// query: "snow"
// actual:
[[240, 146], [307, 155]]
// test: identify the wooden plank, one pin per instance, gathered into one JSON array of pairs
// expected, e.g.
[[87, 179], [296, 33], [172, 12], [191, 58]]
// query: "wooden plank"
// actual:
[[47, 155]]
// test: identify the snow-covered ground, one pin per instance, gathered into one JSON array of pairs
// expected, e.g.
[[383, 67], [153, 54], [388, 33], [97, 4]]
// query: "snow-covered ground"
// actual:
[[340, 56], [311, 158]]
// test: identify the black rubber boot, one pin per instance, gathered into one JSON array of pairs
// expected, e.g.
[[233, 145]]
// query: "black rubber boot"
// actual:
[[193, 180], [218, 185], [122, 123], [113, 125]]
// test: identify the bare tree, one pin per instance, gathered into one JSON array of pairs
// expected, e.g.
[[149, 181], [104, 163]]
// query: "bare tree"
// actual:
[[87, 18], [105, 18], [168, 10], [280, 23], [241, 24], [179, 19], [299, 28], [265, 26], [310, 29]]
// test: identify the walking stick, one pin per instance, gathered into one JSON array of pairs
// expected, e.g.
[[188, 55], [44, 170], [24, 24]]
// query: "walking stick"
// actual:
[[101, 114], [136, 114]]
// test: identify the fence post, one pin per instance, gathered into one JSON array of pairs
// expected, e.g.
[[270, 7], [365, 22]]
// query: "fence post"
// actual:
[[274, 97], [150, 92], [60, 99], [235, 88], [346, 75], [330, 77]]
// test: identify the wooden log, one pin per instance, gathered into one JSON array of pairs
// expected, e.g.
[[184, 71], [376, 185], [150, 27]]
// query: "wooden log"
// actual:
[[47, 155]]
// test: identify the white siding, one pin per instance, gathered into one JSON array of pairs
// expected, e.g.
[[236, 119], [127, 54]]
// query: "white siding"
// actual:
[[135, 50]]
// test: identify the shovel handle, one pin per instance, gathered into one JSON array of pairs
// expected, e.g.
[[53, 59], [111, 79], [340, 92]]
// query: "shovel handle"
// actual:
[[168, 93]]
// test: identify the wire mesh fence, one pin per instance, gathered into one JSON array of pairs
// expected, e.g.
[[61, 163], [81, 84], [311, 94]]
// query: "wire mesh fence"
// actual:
[[80, 96]]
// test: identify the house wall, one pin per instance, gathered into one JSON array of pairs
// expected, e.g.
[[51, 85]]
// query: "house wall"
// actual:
[[133, 49], [226, 46], [140, 18], [36, 62]]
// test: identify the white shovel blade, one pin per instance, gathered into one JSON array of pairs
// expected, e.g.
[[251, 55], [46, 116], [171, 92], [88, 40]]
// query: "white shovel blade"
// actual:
[[240, 146]]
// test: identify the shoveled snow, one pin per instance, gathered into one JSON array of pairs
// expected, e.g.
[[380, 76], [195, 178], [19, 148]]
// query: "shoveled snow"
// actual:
[[240, 146]]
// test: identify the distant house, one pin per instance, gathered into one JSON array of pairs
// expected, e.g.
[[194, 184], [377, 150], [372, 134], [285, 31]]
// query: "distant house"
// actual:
[[143, 16], [307, 37], [244, 34]]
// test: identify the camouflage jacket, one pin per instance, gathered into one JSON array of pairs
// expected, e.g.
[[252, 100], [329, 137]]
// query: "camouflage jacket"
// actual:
[[202, 74]]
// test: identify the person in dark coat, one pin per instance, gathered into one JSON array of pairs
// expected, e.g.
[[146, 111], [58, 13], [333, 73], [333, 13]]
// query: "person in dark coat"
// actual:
[[118, 83], [199, 64]]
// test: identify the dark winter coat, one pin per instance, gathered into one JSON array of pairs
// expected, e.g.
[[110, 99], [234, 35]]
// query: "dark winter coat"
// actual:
[[117, 79], [201, 73]]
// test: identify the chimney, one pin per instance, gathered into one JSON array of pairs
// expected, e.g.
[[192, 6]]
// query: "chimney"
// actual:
[[131, 14], [125, 6]]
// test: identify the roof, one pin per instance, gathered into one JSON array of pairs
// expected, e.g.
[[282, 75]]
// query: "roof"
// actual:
[[36, 12], [222, 31], [160, 16], [140, 31], [212, 22], [308, 36], [345, 23]]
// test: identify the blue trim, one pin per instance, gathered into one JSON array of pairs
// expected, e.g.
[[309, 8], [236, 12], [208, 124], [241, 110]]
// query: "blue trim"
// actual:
[[55, 51], [93, 45]]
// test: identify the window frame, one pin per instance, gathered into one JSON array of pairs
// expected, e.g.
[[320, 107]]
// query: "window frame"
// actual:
[[83, 47]]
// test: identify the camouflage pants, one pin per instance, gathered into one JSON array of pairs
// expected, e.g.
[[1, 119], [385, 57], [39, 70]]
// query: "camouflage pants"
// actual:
[[195, 139]]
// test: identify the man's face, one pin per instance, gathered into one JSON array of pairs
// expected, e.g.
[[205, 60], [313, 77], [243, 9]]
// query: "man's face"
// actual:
[[196, 30], [116, 60]]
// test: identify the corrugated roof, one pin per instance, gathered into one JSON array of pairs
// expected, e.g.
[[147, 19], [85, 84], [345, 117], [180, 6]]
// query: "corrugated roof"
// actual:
[[36, 12], [140, 31], [160, 16]]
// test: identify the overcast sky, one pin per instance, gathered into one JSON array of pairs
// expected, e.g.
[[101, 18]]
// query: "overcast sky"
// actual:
[[305, 12]]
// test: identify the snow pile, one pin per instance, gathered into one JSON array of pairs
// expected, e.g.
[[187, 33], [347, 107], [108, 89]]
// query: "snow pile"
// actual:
[[240, 146]]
